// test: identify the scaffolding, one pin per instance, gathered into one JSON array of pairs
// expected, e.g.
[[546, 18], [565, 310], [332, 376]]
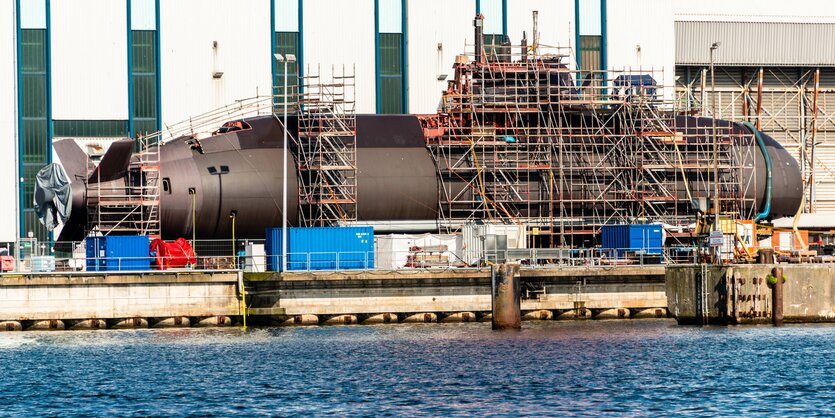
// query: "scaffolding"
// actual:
[[128, 205], [523, 138], [325, 148]]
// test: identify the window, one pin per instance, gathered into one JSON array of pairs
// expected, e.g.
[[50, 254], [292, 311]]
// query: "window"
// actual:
[[90, 128], [34, 130], [286, 43], [144, 81], [589, 54], [391, 73], [166, 185]]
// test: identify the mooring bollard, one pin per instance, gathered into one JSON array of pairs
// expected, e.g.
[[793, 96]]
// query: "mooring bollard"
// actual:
[[776, 281], [507, 310]]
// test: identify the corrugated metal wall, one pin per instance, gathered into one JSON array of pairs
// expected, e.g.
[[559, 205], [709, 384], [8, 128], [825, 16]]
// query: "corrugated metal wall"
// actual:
[[756, 43], [8, 122], [556, 21], [786, 114], [188, 58], [804, 11], [649, 24], [437, 32], [89, 46], [341, 32]]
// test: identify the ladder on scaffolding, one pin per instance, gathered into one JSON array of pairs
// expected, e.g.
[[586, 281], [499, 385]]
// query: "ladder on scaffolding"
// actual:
[[130, 205], [325, 149]]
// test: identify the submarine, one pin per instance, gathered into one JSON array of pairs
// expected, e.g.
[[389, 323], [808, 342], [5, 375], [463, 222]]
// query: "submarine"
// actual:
[[238, 169]]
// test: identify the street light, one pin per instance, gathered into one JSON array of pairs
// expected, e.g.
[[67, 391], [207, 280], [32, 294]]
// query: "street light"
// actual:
[[280, 58], [714, 47]]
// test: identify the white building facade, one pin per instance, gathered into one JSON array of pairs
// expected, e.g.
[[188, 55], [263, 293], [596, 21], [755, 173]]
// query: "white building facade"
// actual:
[[103, 69]]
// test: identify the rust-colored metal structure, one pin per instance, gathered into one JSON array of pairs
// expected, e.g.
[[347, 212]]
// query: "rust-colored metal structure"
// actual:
[[522, 138]]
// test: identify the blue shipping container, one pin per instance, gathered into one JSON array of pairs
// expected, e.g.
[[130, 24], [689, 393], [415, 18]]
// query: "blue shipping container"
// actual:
[[118, 253], [638, 238], [322, 248]]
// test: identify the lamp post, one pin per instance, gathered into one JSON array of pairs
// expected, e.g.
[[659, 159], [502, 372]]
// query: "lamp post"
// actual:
[[288, 59], [715, 150]]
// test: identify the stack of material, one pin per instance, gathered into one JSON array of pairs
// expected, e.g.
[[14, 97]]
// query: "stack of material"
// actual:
[[428, 256], [399, 251]]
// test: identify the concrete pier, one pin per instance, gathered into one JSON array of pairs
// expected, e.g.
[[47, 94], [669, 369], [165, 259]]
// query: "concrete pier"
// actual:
[[422, 296], [72, 301], [213, 298], [741, 294]]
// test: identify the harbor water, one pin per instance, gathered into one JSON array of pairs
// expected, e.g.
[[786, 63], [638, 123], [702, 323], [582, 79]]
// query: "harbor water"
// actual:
[[649, 367]]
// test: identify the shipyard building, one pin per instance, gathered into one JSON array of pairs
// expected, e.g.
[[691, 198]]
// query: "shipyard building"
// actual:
[[100, 70]]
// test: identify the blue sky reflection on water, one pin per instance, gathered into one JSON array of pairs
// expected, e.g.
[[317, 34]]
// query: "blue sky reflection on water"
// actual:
[[650, 367]]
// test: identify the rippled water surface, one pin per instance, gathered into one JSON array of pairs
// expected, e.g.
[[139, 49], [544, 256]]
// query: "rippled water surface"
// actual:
[[648, 367]]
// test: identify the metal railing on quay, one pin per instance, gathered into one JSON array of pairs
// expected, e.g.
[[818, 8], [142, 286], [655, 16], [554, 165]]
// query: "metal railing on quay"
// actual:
[[251, 256]]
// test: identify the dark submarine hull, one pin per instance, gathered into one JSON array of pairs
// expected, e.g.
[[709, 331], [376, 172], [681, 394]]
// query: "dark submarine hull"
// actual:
[[397, 180]]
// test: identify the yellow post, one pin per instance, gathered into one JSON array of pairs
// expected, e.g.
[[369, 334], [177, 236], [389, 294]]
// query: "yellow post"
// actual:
[[193, 218], [234, 256], [193, 192], [243, 298]]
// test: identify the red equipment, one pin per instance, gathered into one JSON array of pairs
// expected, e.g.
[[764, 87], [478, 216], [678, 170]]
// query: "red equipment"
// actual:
[[175, 254], [6, 263]]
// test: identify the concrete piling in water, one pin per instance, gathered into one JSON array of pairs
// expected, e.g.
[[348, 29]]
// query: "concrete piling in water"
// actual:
[[540, 315], [340, 320], [129, 323], [11, 326], [46, 325], [614, 313], [421, 318], [507, 308], [776, 280], [213, 321], [458, 317], [579, 313], [88, 324], [651, 313], [173, 322], [296, 320], [386, 318]]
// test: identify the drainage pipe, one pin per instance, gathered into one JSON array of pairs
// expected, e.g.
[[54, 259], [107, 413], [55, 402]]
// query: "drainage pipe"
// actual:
[[767, 206]]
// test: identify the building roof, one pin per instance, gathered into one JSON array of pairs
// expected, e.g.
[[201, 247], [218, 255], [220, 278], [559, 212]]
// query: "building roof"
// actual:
[[808, 221]]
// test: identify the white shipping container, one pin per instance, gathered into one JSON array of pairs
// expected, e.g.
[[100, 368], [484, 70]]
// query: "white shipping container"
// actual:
[[255, 260], [392, 251]]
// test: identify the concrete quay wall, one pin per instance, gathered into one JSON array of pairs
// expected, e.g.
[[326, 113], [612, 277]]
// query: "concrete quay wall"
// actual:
[[74, 296], [443, 292], [740, 294], [210, 298]]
